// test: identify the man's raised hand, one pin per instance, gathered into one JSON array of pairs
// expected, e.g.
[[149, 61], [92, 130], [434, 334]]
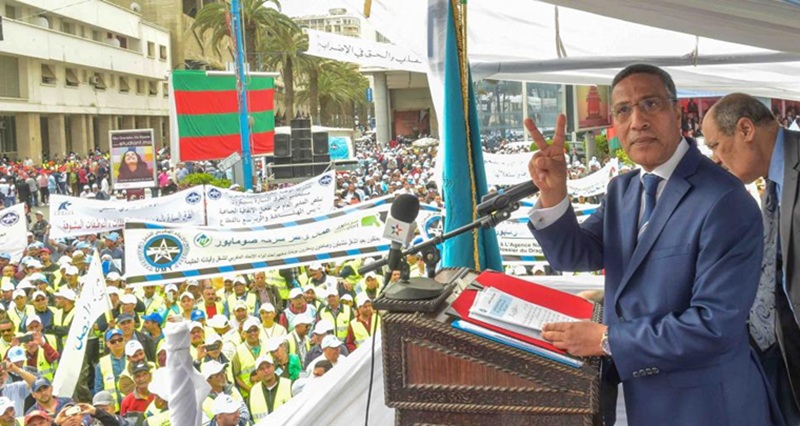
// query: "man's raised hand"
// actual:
[[548, 166]]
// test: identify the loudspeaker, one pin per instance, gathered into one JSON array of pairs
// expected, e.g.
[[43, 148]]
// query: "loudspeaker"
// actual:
[[303, 171], [301, 123], [282, 172], [301, 156], [304, 143], [301, 134], [283, 146], [321, 162], [320, 143]]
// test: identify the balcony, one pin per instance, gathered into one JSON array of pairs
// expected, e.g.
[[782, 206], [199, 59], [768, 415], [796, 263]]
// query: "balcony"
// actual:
[[32, 41]]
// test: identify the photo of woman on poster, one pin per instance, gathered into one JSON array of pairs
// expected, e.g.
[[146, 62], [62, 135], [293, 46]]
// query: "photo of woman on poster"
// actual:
[[133, 167]]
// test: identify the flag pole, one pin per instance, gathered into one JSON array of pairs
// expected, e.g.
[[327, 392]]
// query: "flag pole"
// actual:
[[241, 87]]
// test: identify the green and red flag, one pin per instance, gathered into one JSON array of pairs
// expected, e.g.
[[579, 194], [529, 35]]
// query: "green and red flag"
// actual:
[[204, 115], [613, 140]]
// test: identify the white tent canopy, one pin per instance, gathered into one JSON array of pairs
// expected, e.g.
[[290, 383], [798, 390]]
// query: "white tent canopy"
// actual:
[[528, 40]]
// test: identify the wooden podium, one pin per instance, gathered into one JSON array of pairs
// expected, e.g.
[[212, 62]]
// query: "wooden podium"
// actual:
[[436, 374]]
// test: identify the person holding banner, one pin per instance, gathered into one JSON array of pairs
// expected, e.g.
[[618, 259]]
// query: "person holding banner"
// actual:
[[681, 244]]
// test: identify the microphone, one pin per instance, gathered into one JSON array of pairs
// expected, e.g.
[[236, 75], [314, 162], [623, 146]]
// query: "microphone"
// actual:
[[501, 200], [400, 227]]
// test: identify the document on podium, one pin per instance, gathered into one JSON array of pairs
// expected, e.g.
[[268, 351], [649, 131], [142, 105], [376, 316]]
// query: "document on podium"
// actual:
[[503, 310]]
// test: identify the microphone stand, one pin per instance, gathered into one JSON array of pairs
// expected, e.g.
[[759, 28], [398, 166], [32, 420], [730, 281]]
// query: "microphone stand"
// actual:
[[493, 210]]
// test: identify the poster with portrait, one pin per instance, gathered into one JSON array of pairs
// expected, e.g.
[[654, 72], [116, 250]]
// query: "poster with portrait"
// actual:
[[133, 159], [592, 107]]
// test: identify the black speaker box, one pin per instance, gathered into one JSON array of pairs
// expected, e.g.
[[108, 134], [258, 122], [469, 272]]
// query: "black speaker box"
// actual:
[[304, 143], [301, 156], [303, 171], [319, 143], [301, 134], [283, 146]]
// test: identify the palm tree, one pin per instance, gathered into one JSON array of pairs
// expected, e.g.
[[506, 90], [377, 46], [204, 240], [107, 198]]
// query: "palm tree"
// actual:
[[341, 91], [259, 22], [282, 50]]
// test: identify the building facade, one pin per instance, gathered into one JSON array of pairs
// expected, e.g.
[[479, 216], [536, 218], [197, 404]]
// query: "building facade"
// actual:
[[70, 72]]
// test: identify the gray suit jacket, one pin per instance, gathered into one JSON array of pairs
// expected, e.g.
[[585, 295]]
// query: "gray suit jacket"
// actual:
[[788, 332]]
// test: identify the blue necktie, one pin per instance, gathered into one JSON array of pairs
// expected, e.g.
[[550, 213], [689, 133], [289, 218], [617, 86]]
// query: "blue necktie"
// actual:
[[650, 190], [762, 314]]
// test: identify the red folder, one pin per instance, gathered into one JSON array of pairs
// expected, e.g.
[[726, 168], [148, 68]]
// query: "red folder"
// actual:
[[559, 301]]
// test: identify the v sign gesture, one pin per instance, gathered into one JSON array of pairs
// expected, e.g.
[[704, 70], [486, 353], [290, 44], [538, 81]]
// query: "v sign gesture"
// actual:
[[548, 167]]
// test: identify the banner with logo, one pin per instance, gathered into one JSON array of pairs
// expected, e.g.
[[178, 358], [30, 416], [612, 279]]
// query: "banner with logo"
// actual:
[[133, 158], [232, 209], [13, 231], [91, 303], [511, 169], [168, 253], [72, 216]]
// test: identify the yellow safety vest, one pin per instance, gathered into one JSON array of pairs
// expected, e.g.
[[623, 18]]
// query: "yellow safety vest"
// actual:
[[258, 400], [228, 372], [156, 417], [156, 305], [110, 381], [14, 316], [276, 330], [220, 309], [340, 322], [45, 369], [292, 341], [57, 279], [4, 346], [274, 279], [61, 320], [209, 401], [249, 300], [360, 333], [355, 277], [247, 364]]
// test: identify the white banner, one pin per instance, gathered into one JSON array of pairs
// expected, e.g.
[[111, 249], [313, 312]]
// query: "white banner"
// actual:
[[92, 302], [362, 52], [13, 231], [169, 253], [232, 209], [511, 169], [72, 216]]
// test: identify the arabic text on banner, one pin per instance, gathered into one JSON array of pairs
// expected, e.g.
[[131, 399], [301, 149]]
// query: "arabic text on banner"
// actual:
[[92, 302], [362, 52], [232, 209], [72, 216], [13, 231]]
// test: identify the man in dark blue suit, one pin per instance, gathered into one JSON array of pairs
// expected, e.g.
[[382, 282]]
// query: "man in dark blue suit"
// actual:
[[745, 137], [680, 242]]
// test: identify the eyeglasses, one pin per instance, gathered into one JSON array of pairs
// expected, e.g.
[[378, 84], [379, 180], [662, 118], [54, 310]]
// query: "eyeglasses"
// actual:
[[252, 330], [651, 105], [115, 341], [6, 330]]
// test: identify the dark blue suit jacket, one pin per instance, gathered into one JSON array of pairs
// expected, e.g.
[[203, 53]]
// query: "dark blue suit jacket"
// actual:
[[676, 301]]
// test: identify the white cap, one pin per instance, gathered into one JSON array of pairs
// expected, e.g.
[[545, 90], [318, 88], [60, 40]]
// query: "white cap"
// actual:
[[195, 324], [66, 293], [32, 319], [212, 338], [362, 298], [113, 276], [347, 296], [264, 358], [171, 287], [128, 299], [191, 283], [64, 261], [239, 304], [296, 292], [186, 294], [267, 307], [112, 290], [315, 265], [323, 327], [25, 283], [274, 343], [370, 274], [239, 280], [35, 264], [38, 293], [218, 321], [224, 404], [5, 404], [132, 346], [71, 270], [211, 368], [7, 286], [301, 319], [250, 323], [331, 342], [309, 287]]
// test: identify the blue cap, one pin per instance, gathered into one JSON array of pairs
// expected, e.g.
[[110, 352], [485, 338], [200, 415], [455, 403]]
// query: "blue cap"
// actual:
[[155, 317], [113, 332], [113, 236], [5, 255], [82, 245], [40, 383], [197, 315], [124, 317]]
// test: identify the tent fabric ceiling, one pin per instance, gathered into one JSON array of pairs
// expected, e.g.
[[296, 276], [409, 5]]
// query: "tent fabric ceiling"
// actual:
[[505, 35]]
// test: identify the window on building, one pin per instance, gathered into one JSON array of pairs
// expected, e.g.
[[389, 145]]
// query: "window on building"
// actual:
[[139, 86], [9, 77], [96, 35], [151, 49], [152, 88], [67, 27], [48, 74], [8, 134], [11, 12], [123, 42], [71, 77], [190, 7], [162, 53], [98, 81], [165, 89], [124, 87]]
